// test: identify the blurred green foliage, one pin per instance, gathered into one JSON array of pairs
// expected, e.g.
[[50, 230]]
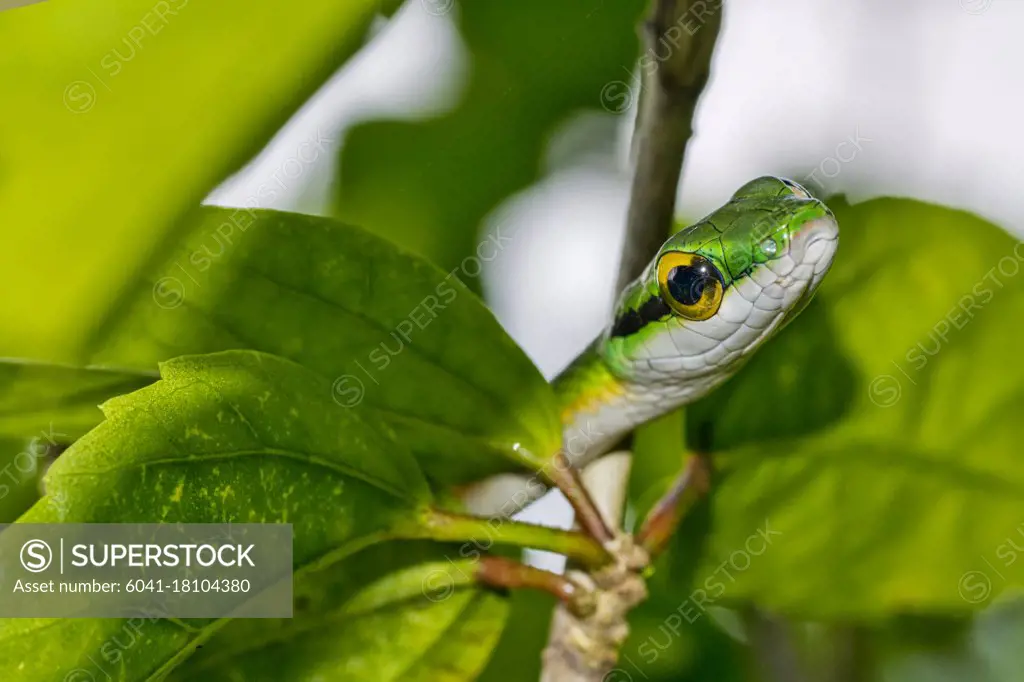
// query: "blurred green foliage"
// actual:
[[885, 481], [429, 184], [118, 119], [892, 467], [21, 467], [870, 454]]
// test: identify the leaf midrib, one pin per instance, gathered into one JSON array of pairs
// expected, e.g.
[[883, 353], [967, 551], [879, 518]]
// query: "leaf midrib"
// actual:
[[305, 457]]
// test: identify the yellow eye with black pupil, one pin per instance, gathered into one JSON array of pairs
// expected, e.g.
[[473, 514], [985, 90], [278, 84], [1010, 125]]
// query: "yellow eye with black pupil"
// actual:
[[690, 284]]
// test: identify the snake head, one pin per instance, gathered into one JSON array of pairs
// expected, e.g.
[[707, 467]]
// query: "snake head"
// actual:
[[721, 287]]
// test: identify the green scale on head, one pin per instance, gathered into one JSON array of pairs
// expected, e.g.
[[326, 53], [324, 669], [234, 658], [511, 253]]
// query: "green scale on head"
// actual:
[[713, 294]]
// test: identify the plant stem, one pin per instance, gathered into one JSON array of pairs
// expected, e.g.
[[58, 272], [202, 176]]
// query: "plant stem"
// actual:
[[505, 573], [663, 520], [583, 647], [671, 89], [567, 479], [449, 527]]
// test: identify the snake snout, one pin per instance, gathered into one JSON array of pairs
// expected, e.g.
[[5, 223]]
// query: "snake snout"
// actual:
[[816, 243]]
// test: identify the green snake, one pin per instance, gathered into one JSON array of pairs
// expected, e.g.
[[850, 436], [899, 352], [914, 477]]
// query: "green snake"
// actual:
[[713, 294]]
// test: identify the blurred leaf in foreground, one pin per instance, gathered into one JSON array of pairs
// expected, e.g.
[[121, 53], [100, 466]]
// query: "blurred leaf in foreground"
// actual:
[[429, 184], [118, 118], [870, 456]]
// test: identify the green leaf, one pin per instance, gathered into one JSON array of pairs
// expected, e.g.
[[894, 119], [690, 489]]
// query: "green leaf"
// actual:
[[233, 437], [58, 403], [517, 655], [118, 118], [45, 407], [877, 440], [533, 65], [389, 331], [189, 448], [353, 624]]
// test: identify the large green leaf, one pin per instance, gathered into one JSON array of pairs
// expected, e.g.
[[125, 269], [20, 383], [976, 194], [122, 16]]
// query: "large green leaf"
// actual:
[[534, 63], [870, 456], [233, 437], [388, 330], [414, 623], [118, 118]]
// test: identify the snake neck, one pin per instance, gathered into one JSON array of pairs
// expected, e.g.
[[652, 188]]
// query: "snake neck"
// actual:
[[586, 384], [598, 408]]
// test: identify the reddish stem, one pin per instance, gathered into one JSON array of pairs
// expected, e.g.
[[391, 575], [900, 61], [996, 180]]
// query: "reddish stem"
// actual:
[[567, 479], [663, 520]]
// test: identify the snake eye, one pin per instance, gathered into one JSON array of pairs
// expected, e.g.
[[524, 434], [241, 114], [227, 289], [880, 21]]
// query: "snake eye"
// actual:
[[690, 284]]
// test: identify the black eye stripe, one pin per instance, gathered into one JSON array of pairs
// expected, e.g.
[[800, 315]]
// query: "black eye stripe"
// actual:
[[654, 309], [632, 321], [627, 323]]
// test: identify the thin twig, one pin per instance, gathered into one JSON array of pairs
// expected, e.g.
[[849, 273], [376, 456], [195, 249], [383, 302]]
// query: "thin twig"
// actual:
[[583, 647], [588, 515], [445, 526], [503, 573], [663, 520], [680, 38]]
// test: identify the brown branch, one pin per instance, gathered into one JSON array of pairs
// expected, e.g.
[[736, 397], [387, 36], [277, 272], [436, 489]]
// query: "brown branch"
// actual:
[[588, 516], [502, 573], [680, 37], [679, 40], [663, 520]]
